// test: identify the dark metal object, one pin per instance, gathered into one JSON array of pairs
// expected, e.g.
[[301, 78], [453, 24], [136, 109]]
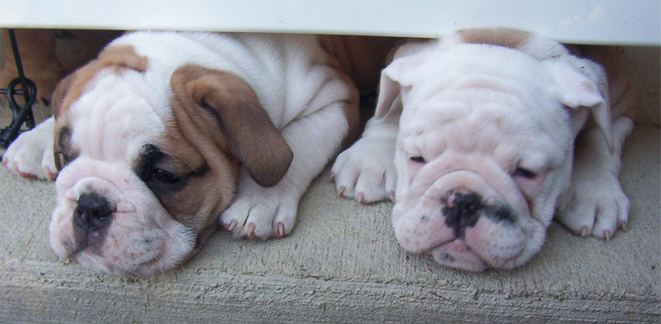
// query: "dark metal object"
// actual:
[[29, 92]]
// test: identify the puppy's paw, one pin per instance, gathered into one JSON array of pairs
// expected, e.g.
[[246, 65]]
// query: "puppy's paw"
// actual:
[[31, 154], [595, 205], [366, 171], [261, 213]]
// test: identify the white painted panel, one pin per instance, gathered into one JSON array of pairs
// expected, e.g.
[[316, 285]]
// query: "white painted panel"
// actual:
[[626, 22]]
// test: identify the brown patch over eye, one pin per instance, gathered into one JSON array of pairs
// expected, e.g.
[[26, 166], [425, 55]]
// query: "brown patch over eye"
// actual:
[[193, 191]]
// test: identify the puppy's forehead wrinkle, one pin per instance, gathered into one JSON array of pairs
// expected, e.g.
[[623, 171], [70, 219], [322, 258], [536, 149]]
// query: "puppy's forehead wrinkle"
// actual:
[[478, 71], [112, 120], [481, 120]]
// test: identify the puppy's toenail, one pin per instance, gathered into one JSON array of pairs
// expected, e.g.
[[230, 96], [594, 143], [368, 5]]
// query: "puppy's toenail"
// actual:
[[281, 230], [231, 226], [623, 226], [251, 231], [361, 198], [584, 231]]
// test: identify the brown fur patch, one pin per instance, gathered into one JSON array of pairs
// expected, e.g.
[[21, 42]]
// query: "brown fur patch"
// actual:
[[200, 142], [209, 187], [506, 37], [359, 61], [360, 57], [225, 106], [123, 56]]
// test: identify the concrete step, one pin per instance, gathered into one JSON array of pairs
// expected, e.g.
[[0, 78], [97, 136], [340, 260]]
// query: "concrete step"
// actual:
[[343, 264]]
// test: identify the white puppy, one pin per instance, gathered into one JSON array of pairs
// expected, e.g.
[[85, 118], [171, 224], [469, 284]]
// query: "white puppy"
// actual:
[[474, 135], [167, 134]]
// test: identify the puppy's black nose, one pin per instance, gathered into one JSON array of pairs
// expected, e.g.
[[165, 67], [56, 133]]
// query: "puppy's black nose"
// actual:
[[94, 211], [461, 210]]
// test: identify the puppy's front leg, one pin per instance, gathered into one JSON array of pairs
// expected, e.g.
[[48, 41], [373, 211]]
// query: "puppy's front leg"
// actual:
[[595, 202], [366, 170], [259, 212]]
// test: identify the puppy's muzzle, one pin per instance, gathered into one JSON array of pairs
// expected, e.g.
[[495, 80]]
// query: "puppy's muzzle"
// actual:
[[91, 218], [462, 210], [463, 218]]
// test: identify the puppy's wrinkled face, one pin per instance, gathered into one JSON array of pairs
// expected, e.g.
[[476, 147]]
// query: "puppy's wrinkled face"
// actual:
[[483, 152], [133, 194]]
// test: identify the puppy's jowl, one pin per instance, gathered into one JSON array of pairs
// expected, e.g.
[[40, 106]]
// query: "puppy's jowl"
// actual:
[[167, 135], [488, 135]]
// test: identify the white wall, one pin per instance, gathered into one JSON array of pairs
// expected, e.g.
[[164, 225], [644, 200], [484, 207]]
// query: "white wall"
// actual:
[[625, 22]]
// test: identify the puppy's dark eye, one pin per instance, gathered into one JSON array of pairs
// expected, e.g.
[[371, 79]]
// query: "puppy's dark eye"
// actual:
[[163, 176], [521, 172], [418, 159]]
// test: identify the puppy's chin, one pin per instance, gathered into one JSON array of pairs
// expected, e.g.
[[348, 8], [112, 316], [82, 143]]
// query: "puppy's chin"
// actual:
[[467, 220], [170, 251], [131, 250], [457, 254], [138, 236]]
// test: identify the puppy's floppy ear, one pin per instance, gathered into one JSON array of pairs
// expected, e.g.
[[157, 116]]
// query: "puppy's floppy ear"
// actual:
[[398, 74], [389, 89], [206, 94], [587, 88]]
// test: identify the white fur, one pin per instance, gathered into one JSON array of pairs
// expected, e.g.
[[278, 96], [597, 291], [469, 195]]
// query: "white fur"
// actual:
[[119, 113], [476, 113], [31, 154]]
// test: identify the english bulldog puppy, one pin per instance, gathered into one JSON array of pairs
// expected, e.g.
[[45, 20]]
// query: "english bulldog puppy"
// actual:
[[483, 136], [166, 135]]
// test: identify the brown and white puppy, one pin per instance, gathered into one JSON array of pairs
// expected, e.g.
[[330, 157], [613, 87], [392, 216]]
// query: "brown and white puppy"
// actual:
[[487, 137], [167, 134]]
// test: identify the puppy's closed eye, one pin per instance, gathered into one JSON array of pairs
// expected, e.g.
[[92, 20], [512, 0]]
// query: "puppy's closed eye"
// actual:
[[159, 179], [418, 159], [525, 173], [163, 176]]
